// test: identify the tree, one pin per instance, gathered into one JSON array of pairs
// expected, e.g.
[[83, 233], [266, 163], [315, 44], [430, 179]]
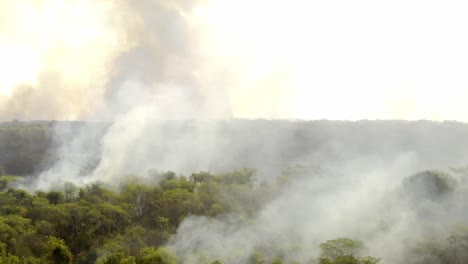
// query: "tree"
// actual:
[[349, 259], [55, 197], [6, 181], [5, 257], [429, 184], [341, 247], [277, 260], [344, 251], [244, 176], [201, 177], [176, 204], [257, 258], [161, 255], [58, 251], [117, 258], [70, 191]]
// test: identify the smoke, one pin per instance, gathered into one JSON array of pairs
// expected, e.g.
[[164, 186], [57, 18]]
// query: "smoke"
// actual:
[[359, 192], [218, 59], [73, 61], [55, 52], [144, 67], [127, 63], [350, 201]]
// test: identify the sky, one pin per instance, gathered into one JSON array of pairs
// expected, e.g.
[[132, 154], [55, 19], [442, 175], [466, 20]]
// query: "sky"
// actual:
[[337, 59]]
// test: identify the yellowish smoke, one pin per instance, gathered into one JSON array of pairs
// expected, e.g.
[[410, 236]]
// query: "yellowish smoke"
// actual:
[[54, 57], [254, 59]]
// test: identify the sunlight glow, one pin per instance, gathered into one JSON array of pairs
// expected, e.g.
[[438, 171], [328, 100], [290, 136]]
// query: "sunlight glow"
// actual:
[[351, 59], [296, 59], [21, 66], [66, 37]]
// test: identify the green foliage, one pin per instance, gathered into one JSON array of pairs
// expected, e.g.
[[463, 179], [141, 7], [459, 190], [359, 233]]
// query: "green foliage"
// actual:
[[429, 184], [341, 247], [452, 250], [15, 232], [257, 258], [58, 251], [93, 224], [344, 251], [117, 258], [201, 177], [6, 181], [349, 259], [161, 255], [55, 197], [277, 261]]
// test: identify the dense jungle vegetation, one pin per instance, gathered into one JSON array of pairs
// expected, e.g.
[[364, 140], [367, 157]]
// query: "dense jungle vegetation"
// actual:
[[133, 222], [94, 224]]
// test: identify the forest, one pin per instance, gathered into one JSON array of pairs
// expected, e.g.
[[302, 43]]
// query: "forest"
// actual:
[[231, 216], [233, 132]]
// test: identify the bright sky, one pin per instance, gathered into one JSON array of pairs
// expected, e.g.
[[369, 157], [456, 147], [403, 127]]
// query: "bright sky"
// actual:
[[333, 59], [399, 59]]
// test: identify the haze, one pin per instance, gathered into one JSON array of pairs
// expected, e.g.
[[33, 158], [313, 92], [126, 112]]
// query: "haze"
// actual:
[[244, 59], [193, 131]]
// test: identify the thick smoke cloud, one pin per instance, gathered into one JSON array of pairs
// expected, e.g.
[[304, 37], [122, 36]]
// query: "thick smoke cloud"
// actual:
[[143, 66], [221, 58], [358, 192], [353, 201], [54, 52], [98, 59], [164, 65], [130, 63]]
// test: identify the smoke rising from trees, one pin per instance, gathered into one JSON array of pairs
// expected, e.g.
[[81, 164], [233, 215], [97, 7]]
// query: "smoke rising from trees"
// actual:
[[159, 84]]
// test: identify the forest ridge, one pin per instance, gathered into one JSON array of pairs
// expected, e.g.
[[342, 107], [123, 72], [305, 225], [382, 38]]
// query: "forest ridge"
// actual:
[[288, 209]]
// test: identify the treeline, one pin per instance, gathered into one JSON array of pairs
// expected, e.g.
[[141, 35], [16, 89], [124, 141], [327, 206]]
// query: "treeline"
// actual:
[[28, 148], [131, 224], [96, 224], [23, 146]]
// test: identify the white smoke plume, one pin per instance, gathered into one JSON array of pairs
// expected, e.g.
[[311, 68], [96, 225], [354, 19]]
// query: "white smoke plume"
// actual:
[[142, 67], [356, 201], [76, 60], [219, 58]]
